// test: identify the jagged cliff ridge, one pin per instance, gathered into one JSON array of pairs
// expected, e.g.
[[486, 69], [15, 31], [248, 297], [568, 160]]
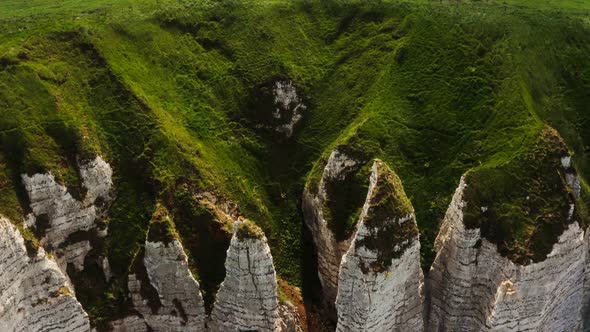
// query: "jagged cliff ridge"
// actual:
[[34, 295], [160, 88], [247, 299], [498, 267], [329, 249], [166, 297], [474, 286], [65, 225], [164, 293], [375, 274], [380, 281]]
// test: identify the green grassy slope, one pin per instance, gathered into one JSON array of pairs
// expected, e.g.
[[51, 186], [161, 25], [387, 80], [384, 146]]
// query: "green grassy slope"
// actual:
[[166, 91]]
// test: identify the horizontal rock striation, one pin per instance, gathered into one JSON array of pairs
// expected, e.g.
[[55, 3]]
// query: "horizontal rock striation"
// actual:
[[247, 299], [64, 224], [473, 288], [329, 249], [34, 295], [129, 324], [165, 295], [584, 324], [168, 272], [380, 282]]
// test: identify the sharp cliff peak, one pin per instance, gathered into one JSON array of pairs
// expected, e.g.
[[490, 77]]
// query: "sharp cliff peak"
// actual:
[[380, 280], [247, 299], [319, 217], [387, 218], [524, 205], [165, 295], [162, 228], [473, 286]]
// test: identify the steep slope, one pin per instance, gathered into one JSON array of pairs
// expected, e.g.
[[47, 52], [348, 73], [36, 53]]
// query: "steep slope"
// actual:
[[380, 281], [33, 291], [247, 299], [238, 107], [329, 248], [164, 294], [516, 284], [64, 224]]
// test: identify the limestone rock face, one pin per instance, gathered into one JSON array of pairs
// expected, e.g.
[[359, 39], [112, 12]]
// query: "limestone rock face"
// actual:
[[380, 286], [289, 318], [33, 292], [56, 215], [329, 250], [129, 324], [247, 299], [175, 302], [585, 320], [473, 288], [288, 107]]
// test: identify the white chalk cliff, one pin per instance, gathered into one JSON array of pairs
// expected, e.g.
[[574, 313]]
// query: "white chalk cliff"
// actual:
[[473, 288], [247, 299], [584, 323], [176, 303], [34, 295], [165, 296], [373, 279], [376, 293], [329, 250], [60, 215]]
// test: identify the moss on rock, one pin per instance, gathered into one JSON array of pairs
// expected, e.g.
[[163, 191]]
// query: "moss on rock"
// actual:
[[248, 230], [162, 227], [523, 206], [389, 219]]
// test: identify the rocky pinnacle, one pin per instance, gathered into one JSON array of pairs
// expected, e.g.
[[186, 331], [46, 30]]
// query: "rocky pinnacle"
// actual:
[[380, 282]]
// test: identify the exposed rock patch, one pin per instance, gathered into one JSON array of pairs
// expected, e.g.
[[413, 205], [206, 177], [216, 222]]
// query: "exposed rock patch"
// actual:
[[380, 282], [571, 176], [129, 324], [288, 107], [34, 295], [247, 299], [64, 224], [289, 318], [278, 107]]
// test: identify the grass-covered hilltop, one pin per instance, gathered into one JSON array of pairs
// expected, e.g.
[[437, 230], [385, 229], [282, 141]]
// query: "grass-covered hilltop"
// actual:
[[176, 95]]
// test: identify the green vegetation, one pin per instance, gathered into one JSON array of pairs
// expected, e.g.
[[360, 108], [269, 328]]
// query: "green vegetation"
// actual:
[[65, 291], [346, 195], [162, 227], [167, 92], [388, 204], [248, 230], [524, 205], [205, 237]]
